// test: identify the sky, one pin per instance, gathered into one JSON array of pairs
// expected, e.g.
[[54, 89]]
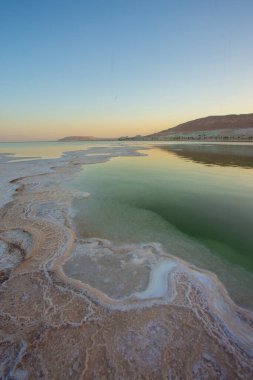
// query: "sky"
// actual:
[[110, 68]]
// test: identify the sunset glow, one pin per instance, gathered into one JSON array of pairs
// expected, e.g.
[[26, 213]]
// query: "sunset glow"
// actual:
[[116, 68]]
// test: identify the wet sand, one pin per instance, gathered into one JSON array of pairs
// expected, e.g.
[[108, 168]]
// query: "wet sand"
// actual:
[[93, 309]]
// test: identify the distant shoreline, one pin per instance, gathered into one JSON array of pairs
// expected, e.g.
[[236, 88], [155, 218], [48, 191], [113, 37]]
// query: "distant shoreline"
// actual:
[[185, 139]]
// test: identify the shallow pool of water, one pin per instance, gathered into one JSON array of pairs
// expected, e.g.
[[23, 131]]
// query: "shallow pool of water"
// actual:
[[195, 199]]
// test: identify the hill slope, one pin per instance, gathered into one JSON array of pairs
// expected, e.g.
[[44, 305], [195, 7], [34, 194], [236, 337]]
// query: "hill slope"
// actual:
[[230, 126]]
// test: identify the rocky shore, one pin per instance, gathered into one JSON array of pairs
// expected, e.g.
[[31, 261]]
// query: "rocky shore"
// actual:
[[128, 312]]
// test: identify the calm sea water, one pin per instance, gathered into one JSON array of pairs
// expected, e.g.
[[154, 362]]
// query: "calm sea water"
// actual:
[[194, 199], [46, 149]]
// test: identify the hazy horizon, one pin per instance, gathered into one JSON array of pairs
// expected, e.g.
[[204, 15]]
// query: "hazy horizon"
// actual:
[[56, 139], [109, 69]]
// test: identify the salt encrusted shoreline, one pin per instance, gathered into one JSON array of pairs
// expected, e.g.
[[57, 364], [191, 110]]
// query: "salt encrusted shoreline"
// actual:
[[57, 327]]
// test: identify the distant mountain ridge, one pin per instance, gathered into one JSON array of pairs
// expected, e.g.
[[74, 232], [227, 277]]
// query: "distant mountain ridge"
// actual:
[[78, 138], [85, 138], [230, 126]]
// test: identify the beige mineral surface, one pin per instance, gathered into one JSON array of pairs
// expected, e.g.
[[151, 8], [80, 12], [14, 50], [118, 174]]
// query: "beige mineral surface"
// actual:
[[92, 309]]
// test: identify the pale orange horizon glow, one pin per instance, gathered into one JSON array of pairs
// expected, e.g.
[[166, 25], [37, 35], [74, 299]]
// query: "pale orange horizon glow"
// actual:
[[46, 129]]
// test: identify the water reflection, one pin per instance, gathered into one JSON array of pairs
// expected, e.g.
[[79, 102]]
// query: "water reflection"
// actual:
[[215, 154], [199, 213]]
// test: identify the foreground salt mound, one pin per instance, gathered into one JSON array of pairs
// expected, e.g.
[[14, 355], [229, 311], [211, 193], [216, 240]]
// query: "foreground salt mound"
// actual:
[[130, 276], [15, 245]]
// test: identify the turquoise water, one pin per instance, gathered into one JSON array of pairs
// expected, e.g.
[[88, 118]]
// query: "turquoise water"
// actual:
[[194, 199]]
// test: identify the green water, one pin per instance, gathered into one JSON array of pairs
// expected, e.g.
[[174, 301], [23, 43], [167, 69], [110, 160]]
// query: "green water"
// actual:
[[194, 199]]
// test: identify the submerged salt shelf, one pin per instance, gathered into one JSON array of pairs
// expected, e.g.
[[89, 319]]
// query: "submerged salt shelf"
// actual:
[[158, 281], [119, 272]]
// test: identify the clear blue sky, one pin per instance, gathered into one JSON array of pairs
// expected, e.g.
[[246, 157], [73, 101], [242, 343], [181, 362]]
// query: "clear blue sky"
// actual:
[[116, 67]]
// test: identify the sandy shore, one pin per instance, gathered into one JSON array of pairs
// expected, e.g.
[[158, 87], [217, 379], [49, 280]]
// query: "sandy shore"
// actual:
[[132, 312]]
